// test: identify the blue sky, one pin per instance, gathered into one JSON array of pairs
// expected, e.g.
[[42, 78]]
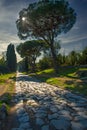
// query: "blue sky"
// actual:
[[75, 39]]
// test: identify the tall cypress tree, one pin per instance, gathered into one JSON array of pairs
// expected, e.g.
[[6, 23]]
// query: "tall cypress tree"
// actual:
[[11, 58]]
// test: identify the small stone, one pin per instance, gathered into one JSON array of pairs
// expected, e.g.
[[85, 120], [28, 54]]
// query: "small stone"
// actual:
[[53, 109], [24, 119], [77, 126], [41, 115], [39, 121], [84, 123], [3, 111], [45, 127], [80, 118], [83, 114], [25, 125], [17, 129], [78, 104], [61, 124], [52, 116], [41, 111], [79, 109], [64, 112], [29, 129], [21, 110], [21, 115]]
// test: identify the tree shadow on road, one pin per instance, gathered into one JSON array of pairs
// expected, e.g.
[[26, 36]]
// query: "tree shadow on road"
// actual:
[[56, 102]]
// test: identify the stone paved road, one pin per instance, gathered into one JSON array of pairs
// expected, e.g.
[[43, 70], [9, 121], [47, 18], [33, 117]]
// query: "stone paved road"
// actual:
[[40, 106]]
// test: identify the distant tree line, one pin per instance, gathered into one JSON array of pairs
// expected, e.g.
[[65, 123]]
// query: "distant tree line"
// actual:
[[74, 58], [8, 61], [31, 50]]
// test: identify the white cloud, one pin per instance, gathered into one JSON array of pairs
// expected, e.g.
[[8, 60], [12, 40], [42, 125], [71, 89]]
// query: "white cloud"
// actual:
[[70, 39], [8, 31]]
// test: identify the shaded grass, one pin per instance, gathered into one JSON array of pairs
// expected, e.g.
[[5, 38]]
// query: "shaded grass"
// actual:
[[7, 88], [68, 78]]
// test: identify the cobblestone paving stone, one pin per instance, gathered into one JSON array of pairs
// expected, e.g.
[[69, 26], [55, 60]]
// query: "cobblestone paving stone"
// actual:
[[40, 106]]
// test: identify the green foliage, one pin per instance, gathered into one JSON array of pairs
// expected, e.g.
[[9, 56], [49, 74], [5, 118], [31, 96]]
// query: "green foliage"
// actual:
[[68, 78], [31, 50], [5, 77], [8, 89], [60, 16], [21, 66], [45, 63], [7, 105], [61, 59], [57, 47], [11, 58], [2, 62], [6, 98], [73, 58], [84, 57], [3, 67]]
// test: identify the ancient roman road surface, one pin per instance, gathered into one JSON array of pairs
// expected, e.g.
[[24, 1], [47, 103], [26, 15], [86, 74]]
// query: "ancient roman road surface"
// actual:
[[40, 106]]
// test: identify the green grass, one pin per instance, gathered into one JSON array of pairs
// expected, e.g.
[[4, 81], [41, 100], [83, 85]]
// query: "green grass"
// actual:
[[68, 78], [7, 88], [7, 106], [7, 76], [82, 68]]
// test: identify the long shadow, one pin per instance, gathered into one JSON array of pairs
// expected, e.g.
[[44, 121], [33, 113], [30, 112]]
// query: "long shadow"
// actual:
[[75, 86], [75, 83], [62, 73], [44, 104], [13, 78], [58, 99], [27, 78]]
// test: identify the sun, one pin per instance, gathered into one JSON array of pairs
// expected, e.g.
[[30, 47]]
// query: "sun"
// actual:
[[23, 18]]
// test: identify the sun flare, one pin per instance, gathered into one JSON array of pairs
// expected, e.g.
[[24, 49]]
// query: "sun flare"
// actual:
[[23, 18]]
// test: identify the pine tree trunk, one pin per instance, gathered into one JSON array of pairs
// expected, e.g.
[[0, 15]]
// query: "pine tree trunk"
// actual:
[[26, 64], [33, 65], [55, 60]]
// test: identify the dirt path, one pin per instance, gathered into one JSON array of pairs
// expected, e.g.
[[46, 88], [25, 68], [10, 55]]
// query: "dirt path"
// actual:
[[2, 89]]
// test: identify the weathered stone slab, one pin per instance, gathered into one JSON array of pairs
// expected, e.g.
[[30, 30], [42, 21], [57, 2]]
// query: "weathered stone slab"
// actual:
[[21, 111], [24, 125], [53, 116], [53, 109], [24, 119], [45, 127], [17, 129], [39, 121], [78, 126], [79, 118], [41, 115], [61, 124]]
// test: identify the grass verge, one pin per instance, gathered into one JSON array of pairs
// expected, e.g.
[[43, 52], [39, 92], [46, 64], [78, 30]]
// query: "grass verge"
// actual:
[[72, 78], [7, 88]]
